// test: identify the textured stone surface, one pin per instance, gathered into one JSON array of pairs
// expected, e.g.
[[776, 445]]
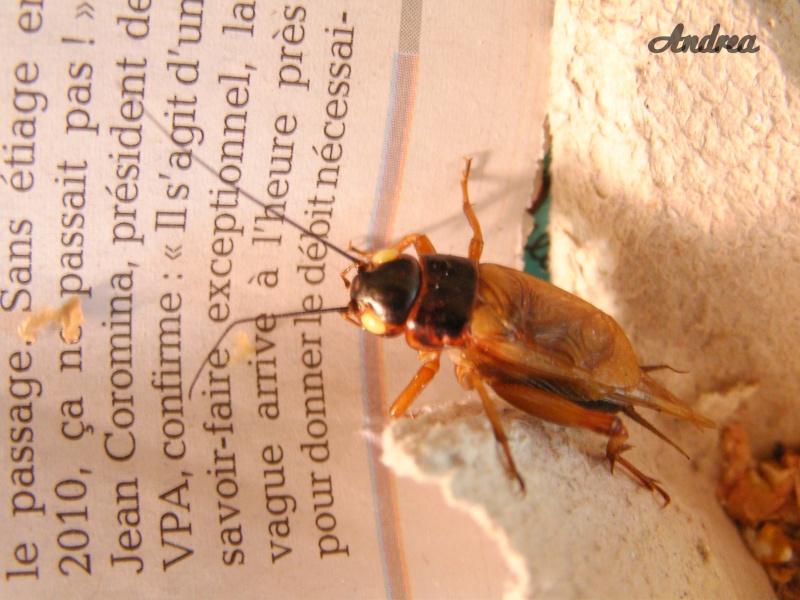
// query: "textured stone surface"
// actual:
[[579, 531], [677, 186]]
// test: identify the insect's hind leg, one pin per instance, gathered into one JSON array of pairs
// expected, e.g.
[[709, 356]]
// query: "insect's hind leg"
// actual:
[[476, 243], [548, 406]]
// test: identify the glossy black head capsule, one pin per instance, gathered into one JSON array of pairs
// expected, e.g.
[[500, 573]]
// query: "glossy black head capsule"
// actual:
[[382, 295]]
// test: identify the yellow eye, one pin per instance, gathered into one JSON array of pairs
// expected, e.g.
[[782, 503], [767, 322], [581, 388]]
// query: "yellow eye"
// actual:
[[372, 323], [384, 256]]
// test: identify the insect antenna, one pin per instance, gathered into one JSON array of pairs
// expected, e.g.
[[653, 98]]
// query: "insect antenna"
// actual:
[[267, 208], [236, 323], [270, 210]]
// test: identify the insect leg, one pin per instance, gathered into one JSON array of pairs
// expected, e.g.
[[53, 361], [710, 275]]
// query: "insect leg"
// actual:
[[427, 371], [476, 243], [422, 245], [548, 406], [420, 242], [470, 380], [344, 273]]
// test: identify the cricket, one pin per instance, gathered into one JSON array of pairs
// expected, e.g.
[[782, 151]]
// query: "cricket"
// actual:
[[539, 348]]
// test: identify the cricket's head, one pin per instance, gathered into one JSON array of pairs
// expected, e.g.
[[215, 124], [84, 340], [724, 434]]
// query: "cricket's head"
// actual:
[[383, 292]]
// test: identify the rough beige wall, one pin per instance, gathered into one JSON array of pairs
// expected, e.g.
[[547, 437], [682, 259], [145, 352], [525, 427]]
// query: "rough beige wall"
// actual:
[[677, 186]]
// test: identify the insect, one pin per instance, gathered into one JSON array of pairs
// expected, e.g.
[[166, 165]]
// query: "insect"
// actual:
[[539, 348]]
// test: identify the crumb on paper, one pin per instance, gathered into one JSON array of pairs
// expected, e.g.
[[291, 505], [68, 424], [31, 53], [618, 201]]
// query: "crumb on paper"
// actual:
[[69, 317], [242, 349], [763, 497]]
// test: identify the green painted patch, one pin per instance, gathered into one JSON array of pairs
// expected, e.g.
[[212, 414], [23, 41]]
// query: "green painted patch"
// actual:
[[537, 250]]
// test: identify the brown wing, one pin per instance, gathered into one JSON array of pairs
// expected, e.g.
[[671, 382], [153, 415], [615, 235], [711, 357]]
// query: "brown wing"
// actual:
[[527, 330]]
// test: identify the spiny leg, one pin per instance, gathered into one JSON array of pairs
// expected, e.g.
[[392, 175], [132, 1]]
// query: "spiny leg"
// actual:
[[476, 243], [427, 371], [471, 380], [548, 406]]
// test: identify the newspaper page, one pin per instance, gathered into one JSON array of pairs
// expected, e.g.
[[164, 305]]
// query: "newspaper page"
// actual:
[[133, 134]]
